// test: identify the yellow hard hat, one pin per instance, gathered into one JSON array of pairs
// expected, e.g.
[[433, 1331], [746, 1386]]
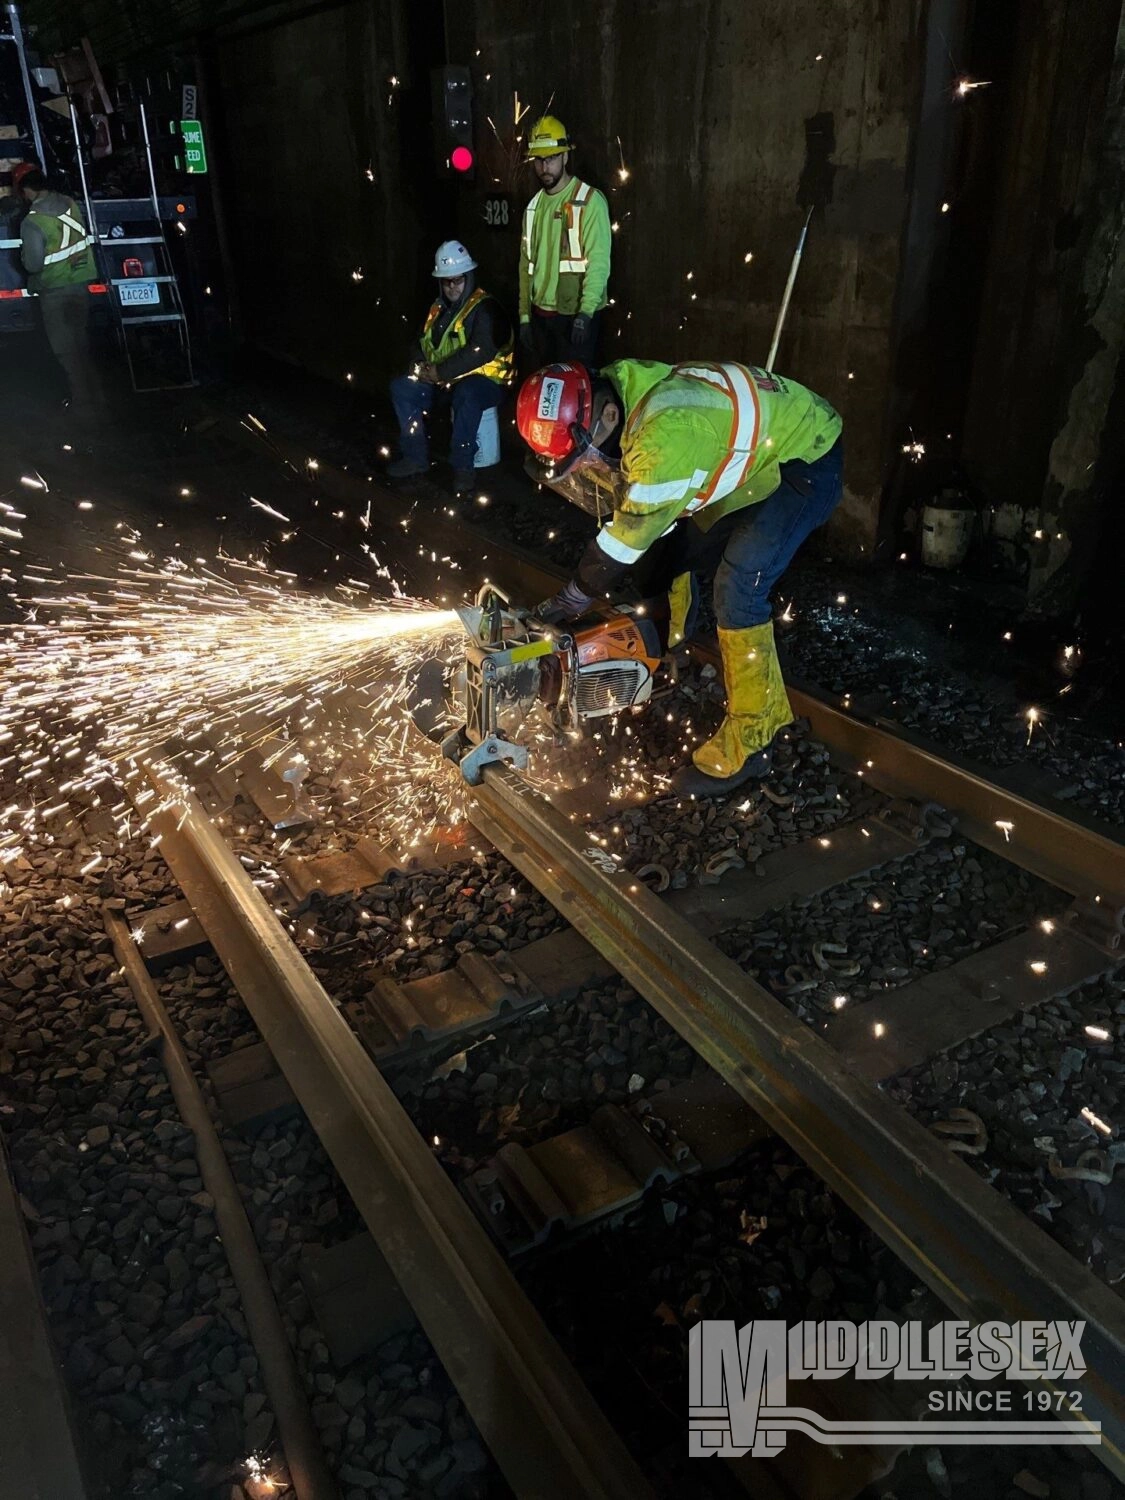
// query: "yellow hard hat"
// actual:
[[548, 137]]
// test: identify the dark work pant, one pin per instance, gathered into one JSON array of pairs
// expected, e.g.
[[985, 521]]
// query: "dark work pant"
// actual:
[[66, 318], [553, 342], [471, 396], [751, 548]]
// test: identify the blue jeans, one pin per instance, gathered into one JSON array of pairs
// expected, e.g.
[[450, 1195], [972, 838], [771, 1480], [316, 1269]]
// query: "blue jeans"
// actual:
[[750, 549], [470, 396], [761, 546]]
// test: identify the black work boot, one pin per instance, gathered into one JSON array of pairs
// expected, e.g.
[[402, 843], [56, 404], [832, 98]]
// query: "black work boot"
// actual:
[[690, 781], [464, 481], [405, 468]]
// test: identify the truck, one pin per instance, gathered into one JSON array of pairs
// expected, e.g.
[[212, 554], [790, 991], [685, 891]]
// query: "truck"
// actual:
[[99, 148]]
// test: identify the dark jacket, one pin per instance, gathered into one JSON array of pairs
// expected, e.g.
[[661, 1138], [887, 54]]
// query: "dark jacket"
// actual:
[[487, 329]]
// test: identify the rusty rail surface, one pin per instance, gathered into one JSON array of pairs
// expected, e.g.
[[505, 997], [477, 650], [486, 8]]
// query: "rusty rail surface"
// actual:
[[544, 1429], [972, 1247]]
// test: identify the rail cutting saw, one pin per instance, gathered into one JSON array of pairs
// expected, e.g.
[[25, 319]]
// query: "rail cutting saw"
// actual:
[[605, 663]]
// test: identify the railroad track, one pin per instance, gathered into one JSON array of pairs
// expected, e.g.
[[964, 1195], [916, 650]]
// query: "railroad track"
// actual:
[[976, 1252], [37, 1439], [972, 1248]]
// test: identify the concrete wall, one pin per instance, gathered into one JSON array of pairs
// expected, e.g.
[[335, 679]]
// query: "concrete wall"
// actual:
[[320, 180], [730, 119], [1052, 328], [734, 117]]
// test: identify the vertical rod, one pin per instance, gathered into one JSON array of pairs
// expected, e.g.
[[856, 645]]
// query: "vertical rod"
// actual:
[[17, 33], [789, 285], [91, 222], [148, 163]]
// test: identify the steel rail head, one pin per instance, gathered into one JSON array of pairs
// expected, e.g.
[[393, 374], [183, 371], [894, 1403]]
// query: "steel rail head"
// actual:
[[972, 1247], [304, 1453], [546, 1432], [1060, 848]]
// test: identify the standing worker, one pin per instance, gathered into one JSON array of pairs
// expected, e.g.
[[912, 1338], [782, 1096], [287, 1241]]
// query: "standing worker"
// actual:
[[465, 356], [564, 254], [704, 464], [58, 256]]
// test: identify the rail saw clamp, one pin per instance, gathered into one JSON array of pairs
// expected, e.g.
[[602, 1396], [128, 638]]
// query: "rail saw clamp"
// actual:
[[500, 662]]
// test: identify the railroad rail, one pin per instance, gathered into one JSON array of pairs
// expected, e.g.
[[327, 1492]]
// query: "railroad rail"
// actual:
[[40, 1456], [978, 1253], [971, 1247], [545, 1431], [968, 1244]]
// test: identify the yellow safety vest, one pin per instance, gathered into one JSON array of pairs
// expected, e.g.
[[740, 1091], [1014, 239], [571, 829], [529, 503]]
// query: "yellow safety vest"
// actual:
[[499, 368], [572, 257], [69, 259]]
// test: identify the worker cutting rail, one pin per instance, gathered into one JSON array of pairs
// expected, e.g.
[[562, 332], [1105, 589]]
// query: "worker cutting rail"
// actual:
[[689, 468]]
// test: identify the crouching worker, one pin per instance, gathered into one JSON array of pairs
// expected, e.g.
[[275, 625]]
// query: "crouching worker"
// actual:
[[693, 466], [463, 357]]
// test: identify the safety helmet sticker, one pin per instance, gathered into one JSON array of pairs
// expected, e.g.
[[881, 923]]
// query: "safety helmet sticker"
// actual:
[[550, 398]]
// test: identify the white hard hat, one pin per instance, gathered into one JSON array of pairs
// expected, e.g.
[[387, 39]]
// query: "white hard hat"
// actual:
[[452, 259]]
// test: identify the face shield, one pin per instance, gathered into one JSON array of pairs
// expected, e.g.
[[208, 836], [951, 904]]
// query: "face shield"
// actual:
[[593, 482]]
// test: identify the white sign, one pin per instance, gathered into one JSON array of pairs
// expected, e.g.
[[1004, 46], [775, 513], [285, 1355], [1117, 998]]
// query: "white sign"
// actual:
[[133, 292], [737, 1398], [550, 397], [190, 102]]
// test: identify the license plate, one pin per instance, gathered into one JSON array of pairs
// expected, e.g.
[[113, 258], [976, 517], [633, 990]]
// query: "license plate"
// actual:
[[134, 292]]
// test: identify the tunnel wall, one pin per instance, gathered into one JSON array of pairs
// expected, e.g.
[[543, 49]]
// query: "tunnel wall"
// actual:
[[731, 118], [322, 120], [1039, 438]]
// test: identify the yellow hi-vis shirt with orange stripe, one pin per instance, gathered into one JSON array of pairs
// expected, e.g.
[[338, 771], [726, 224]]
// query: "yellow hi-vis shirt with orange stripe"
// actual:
[[705, 440]]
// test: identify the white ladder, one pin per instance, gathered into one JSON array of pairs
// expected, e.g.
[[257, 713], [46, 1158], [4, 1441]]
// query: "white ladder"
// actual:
[[140, 302]]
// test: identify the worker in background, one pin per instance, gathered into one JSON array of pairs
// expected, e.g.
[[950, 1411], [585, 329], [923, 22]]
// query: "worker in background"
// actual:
[[693, 466], [564, 254], [58, 256], [464, 356]]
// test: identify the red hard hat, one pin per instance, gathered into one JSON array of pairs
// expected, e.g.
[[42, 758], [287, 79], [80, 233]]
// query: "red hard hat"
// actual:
[[20, 171], [553, 412]]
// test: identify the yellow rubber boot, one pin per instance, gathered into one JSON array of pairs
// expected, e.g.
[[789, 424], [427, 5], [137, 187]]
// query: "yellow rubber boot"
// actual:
[[679, 607], [757, 707]]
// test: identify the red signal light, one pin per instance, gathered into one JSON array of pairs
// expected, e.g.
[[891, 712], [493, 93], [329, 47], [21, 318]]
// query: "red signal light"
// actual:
[[461, 159]]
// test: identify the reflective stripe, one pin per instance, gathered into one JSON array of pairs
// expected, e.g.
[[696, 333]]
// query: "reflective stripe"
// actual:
[[69, 251], [745, 421], [528, 226], [574, 263], [577, 262], [713, 374], [66, 249], [499, 368], [618, 550], [651, 495]]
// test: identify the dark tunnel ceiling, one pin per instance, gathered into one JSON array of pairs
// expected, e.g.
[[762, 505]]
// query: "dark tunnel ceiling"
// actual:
[[123, 29]]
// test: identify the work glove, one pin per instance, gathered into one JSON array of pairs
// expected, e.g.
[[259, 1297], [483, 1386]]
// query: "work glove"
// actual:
[[567, 604], [527, 338], [580, 334]]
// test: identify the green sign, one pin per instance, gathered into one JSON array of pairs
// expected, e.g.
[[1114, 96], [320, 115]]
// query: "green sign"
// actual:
[[195, 153]]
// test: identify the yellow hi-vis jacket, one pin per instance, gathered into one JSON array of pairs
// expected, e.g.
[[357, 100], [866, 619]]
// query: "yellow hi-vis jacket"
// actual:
[[68, 258], [499, 368], [565, 251], [705, 440]]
